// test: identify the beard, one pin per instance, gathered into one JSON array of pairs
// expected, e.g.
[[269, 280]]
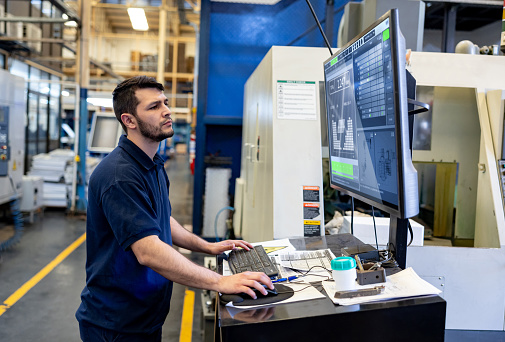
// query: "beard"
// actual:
[[153, 132]]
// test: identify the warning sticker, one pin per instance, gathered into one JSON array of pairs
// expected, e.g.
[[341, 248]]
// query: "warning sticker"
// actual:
[[311, 228], [296, 100], [312, 211], [311, 194]]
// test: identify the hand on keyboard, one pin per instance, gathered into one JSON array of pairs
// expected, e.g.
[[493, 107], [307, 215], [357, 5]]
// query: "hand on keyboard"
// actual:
[[223, 246], [255, 260]]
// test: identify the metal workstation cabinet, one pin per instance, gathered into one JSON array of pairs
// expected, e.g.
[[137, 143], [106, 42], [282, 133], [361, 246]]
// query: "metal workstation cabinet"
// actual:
[[12, 136], [280, 190]]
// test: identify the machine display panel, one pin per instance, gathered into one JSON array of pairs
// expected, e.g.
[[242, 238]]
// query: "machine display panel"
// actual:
[[360, 104]]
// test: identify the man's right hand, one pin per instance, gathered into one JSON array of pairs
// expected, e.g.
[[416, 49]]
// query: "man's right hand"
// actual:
[[245, 282]]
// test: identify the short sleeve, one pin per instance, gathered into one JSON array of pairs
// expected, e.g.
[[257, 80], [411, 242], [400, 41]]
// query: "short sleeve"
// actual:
[[130, 213]]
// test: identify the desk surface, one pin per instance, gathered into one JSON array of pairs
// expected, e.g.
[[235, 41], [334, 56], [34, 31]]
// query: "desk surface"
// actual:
[[424, 316]]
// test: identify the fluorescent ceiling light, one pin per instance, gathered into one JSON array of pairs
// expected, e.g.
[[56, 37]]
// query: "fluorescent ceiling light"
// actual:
[[71, 24], [100, 102], [138, 19], [256, 2]]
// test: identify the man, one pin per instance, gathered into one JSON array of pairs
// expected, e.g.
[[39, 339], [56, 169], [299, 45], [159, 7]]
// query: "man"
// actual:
[[131, 263]]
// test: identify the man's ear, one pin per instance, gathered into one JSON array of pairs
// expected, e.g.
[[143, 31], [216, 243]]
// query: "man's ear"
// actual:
[[129, 120]]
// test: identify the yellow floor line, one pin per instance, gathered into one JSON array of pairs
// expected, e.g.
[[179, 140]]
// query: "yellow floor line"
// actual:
[[9, 302], [187, 316]]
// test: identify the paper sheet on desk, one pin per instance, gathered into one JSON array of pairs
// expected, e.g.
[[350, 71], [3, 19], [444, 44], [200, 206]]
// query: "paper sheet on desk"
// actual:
[[400, 285], [289, 261], [276, 246]]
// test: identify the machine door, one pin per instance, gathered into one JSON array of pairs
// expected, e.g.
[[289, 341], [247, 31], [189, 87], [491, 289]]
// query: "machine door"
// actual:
[[4, 140]]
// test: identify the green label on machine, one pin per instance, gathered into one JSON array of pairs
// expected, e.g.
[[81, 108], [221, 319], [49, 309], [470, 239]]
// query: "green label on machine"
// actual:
[[334, 60], [385, 35], [342, 169]]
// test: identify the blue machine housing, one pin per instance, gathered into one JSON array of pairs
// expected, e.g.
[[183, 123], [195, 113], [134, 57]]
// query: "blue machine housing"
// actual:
[[234, 38]]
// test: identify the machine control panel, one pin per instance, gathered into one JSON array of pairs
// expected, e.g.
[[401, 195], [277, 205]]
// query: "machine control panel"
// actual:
[[4, 140]]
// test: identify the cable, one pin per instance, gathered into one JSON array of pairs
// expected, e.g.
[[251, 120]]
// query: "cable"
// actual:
[[310, 269], [320, 28], [306, 287], [352, 215], [375, 228], [411, 233], [217, 216]]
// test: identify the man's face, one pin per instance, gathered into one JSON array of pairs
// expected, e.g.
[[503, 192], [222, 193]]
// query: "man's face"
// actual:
[[153, 115]]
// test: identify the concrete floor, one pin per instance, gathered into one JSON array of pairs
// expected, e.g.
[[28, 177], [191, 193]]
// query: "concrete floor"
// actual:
[[46, 312]]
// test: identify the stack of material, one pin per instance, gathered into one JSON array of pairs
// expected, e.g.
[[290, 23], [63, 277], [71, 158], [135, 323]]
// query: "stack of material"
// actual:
[[56, 169], [51, 167]]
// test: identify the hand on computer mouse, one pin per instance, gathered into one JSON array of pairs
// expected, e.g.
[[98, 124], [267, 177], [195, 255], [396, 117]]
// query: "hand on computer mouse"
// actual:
[[245, 282], [259, 294]]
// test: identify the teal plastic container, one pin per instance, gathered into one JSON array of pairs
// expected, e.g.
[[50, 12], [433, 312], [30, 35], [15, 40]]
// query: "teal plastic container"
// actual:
[[343, 263]]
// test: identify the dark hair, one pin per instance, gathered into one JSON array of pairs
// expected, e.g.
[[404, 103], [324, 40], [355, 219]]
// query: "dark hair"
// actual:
[[124, 99]]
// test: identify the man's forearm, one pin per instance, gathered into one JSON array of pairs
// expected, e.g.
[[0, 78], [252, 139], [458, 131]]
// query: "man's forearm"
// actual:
[[185, 239], [165, 260]]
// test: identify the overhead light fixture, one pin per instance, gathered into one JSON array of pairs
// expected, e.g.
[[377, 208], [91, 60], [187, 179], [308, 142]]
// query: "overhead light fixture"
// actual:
[[138, 19], [100, 102]]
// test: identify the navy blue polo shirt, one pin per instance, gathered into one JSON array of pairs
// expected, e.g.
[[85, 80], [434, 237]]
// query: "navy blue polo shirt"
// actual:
[[127, 201]]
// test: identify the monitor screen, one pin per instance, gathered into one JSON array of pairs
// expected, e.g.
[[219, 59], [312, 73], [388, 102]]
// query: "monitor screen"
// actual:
[[366, 104], [105, 133]]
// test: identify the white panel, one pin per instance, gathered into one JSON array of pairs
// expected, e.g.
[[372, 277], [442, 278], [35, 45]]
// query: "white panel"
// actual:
[[489, 213], [474, 283], [496, 108], [238, 205], [458, 70], [363, 229], [216, 200], [411, 18], [279, 156]]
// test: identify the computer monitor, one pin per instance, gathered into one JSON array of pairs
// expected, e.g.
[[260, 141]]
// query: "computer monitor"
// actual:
[[368, 125], [105, 133]]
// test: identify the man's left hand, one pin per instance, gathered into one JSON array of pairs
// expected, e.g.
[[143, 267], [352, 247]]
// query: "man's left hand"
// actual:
[[226, 245]]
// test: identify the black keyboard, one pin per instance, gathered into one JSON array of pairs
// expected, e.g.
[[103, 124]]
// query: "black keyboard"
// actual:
[[255, 260]]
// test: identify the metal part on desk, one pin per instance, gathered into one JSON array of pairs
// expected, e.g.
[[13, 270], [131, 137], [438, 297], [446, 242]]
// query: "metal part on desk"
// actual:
[[367, 277], [360, 292], [365, 252]]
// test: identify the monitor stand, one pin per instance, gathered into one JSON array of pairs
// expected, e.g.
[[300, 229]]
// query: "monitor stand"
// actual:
[[398, 227]]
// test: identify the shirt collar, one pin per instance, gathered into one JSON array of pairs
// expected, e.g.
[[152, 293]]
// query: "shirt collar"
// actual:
[[140, 156]]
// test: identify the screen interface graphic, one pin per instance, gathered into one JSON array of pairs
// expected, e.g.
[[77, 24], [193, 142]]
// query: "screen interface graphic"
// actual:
[[361, 117]]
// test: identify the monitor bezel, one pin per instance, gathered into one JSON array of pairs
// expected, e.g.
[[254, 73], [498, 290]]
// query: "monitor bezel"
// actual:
[[401, 113]]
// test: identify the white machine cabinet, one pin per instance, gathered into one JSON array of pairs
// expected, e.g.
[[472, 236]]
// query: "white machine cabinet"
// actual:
[[469, 92], [279, 193]]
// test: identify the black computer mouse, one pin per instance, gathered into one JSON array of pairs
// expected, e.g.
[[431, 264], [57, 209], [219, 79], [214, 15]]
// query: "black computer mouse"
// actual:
[[270, 293], [240, 297]]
